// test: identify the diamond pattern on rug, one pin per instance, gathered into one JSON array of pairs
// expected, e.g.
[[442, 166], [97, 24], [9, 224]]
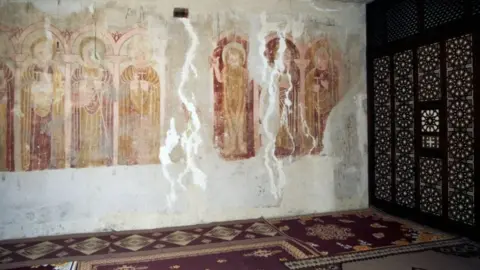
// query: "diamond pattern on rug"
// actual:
[[134, 242], [263, 229], [265, 255], [223, 233], [180, 238], [90, 246], [4, 252], [57, 266], [39, 250], [59, 249]]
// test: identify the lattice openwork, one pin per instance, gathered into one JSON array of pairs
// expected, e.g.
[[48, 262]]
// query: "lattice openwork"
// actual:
[[377, 30], [438, 12], [423, 110], [402, 20], [460, 112], [404, 126], [431, 185], [432, 142], [383, 131], [430, 120], [476, 7], [429, 73]]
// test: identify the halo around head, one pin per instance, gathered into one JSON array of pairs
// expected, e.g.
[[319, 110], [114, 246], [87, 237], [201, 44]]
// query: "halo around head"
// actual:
[[321, 51], [40, 41], [99, 43], [140, 43], [234, 46]]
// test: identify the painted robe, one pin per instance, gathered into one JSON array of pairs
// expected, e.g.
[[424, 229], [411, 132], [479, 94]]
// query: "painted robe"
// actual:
[[42, 123], [286, 140], [92, 119], [6, 118], [319, 103], [235, 89], [139, 141]]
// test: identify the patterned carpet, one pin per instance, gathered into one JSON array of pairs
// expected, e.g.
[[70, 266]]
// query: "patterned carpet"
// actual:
[[302, 242], [355, 231], [268, 255], [462, 256], [17, 253]]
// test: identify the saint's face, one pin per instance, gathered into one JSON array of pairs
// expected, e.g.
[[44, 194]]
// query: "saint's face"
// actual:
[[141, 56], [92, 55], [43, 53], [233, 59], [321, 59]]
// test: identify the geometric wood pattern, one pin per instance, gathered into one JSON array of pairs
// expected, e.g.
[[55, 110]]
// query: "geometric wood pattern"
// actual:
[[404, 124], [438, 12], [431, 142], [402, 20], [429, 72], [431, 185], [445, 39], [383, 132], [460, 113], [430, 120]]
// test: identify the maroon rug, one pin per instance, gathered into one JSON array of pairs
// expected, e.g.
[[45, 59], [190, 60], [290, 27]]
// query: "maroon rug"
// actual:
[[312, 236], [45, 250], [59, 266], [332, 234], [269, 255]]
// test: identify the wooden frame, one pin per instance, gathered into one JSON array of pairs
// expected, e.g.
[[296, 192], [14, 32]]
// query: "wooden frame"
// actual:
[[378, 45]]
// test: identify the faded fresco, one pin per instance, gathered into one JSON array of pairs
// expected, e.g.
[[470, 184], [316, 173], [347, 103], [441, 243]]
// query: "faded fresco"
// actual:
[[233, 98], [92, 105], [42, 104], [308, 89], [321, 90], [6, 117], [85, 98], [139, 104], [287, 139], [91, 97]]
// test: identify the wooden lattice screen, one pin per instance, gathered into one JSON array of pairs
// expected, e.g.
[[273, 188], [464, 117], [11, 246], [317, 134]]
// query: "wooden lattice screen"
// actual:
[[424, 129]]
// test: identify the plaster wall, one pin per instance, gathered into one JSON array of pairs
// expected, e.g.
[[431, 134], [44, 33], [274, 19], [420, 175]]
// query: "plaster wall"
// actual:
[[194, 184]]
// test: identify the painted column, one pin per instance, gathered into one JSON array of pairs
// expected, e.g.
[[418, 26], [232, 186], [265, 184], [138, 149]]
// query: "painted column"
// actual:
[[68, 114]]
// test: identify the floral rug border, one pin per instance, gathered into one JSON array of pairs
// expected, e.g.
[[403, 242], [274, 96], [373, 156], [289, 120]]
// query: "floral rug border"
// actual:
[[135, 258], [372, 254]]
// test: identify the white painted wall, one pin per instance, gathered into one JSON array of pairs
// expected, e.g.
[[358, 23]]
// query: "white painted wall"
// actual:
[[135, 197]]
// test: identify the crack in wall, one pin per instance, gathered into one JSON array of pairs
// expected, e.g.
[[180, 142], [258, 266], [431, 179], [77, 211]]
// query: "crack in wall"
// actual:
[[274, 165], [171, 141], [306, 128], [191, 138]]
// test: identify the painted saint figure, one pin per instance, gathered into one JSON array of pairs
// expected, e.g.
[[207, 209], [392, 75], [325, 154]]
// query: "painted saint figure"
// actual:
[[139, 140], [321, 87], [233, 78], [92, 101], [6, 118], [288, 88], [42, 106]]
